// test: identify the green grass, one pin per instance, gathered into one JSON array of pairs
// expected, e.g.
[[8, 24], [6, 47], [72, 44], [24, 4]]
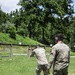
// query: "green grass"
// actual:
[[72, 53], [6, 39], [21, 65], [72, 66]]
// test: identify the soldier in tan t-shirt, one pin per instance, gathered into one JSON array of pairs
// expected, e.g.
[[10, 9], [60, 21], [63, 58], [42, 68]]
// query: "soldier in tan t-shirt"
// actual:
[[59, 56], [41, 59]]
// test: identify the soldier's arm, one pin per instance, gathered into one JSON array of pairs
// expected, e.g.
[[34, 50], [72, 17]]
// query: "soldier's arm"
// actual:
[[69, 55], [32, 54], [52, 56]]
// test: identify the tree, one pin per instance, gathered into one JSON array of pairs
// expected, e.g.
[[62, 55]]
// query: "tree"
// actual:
[[15, 18], [22, 30], [3, 17], [12, 31], [42, 13]]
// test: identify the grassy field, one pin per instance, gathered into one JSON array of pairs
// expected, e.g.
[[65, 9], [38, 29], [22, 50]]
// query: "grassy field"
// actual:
[[72, 66], [21, 65]]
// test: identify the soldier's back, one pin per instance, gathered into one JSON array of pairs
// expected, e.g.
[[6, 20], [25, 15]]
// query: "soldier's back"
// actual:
[[63, 52], [62, 55]]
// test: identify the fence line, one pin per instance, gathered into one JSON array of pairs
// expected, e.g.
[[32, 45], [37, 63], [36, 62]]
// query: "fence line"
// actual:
[[28, 49], [24, 45]]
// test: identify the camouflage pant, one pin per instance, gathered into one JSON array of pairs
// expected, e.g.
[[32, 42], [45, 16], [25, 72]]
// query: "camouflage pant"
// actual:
[[40, 68], [61, 72]]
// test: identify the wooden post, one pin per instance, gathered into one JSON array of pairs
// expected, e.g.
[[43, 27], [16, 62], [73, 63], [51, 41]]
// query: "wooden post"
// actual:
[[11, 52], [29, 52], [4, 48], [45, 47]]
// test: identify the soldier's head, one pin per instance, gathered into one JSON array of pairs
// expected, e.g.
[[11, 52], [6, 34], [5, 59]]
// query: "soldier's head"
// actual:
[[37, 46], [58, 37]]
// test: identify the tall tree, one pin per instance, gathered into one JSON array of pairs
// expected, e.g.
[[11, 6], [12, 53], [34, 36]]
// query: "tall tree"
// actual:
[[15, 18], [42, 13], [3, 17]]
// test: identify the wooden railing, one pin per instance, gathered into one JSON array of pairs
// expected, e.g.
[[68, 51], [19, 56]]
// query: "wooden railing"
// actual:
[[29, 47]]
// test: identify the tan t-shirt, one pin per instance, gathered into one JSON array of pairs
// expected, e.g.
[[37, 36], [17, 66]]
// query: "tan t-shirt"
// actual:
[[41, 56]]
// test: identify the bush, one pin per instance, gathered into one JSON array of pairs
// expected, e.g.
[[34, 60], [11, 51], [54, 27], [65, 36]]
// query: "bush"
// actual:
[[12, 32]]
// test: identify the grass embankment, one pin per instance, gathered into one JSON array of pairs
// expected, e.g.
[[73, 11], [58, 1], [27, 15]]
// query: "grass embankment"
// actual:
[[6, 39]]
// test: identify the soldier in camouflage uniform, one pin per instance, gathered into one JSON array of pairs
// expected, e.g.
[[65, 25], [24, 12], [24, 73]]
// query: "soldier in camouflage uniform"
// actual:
[[59, 56], [41, 59]]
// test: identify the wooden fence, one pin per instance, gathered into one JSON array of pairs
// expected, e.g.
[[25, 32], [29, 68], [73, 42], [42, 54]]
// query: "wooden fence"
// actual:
[[28, 48]]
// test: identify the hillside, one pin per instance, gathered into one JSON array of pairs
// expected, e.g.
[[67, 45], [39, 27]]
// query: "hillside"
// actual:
[[4, 38]]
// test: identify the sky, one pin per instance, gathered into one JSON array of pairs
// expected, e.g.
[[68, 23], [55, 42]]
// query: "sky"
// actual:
[[74, 4], [10, 5]]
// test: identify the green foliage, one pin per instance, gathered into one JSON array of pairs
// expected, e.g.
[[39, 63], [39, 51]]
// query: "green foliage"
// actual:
[[40, 20], [44, 12], [12, 32], [22, 30], [3, 17], [8, 28]]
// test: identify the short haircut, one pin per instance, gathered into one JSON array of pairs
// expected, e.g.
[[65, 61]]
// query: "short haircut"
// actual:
[[59, 36], [37, 46]]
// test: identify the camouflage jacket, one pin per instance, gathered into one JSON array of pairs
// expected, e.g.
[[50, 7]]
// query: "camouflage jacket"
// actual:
[[59, 56], [40, 55]]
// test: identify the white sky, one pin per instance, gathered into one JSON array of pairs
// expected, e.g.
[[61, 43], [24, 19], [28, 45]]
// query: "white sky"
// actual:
[[9, 5]]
